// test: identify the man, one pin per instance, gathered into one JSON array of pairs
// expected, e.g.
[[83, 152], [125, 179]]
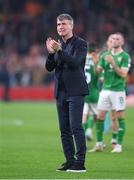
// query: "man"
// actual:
[[114, 123], [67, 58], [115, 64]]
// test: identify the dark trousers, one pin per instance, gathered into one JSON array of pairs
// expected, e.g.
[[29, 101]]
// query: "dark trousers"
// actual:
[[70, 110]]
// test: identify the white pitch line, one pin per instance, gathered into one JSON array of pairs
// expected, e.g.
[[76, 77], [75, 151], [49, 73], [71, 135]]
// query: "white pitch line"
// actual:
[[16, 122]]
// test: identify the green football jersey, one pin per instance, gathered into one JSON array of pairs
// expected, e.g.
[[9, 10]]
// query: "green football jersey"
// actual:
[[112, 80], [92, 81]]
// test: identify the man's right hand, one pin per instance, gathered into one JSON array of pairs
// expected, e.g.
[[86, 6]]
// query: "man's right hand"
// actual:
[[49, 45]]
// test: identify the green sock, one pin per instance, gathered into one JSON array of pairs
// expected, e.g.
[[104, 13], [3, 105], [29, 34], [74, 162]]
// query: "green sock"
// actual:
[[90, 122], [121, 131], [99, 130], [84, 125], [114, 135]]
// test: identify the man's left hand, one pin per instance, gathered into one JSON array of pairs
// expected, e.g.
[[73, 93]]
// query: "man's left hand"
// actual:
[[110, 59], [56, 45]]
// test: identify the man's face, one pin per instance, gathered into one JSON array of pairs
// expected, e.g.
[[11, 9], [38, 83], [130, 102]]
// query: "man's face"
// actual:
[[64, 27], [118, 40]]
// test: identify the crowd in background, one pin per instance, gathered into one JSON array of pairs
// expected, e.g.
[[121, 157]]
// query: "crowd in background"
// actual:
[[24, 26]]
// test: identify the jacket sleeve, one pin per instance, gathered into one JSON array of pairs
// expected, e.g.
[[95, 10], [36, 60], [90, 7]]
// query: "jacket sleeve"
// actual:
[[79, 55], [50, 63]]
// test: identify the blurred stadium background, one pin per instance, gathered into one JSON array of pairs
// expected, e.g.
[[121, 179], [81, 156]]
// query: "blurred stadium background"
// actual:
[[24, 26], [29, 136]]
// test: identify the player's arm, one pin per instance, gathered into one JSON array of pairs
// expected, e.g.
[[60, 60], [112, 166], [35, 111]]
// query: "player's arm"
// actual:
[[123, 71], [120, 71], [97, 66]]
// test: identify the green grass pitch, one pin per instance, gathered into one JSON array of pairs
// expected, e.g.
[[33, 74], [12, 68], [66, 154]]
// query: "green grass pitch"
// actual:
[[30, 146]]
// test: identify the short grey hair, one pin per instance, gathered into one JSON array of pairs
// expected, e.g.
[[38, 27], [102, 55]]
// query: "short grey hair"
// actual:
[[65, 16]]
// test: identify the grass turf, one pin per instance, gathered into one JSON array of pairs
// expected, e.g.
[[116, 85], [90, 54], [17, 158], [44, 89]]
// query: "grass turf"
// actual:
[[30, 146]]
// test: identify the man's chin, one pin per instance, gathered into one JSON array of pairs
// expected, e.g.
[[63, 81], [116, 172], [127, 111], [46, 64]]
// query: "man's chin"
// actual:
[[62, 34]]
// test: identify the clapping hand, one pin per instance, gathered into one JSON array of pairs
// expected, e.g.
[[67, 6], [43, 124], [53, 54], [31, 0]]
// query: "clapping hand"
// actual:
[[49, 45], [52, 45], [56, 45], [109, 59]]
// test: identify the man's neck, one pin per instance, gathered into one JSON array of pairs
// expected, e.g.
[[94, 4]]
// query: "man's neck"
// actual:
[[65, 38], [117, 50]]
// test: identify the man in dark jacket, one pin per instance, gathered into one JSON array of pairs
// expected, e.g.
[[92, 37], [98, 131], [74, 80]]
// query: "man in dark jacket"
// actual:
[[67, 58]]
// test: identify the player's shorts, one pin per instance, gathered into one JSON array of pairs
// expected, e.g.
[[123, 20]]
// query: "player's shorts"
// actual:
[[112, 100], [90, 108]]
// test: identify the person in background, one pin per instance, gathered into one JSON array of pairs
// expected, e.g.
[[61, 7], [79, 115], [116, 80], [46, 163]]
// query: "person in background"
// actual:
[[5, 80], [115, 64], [90, 105]]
